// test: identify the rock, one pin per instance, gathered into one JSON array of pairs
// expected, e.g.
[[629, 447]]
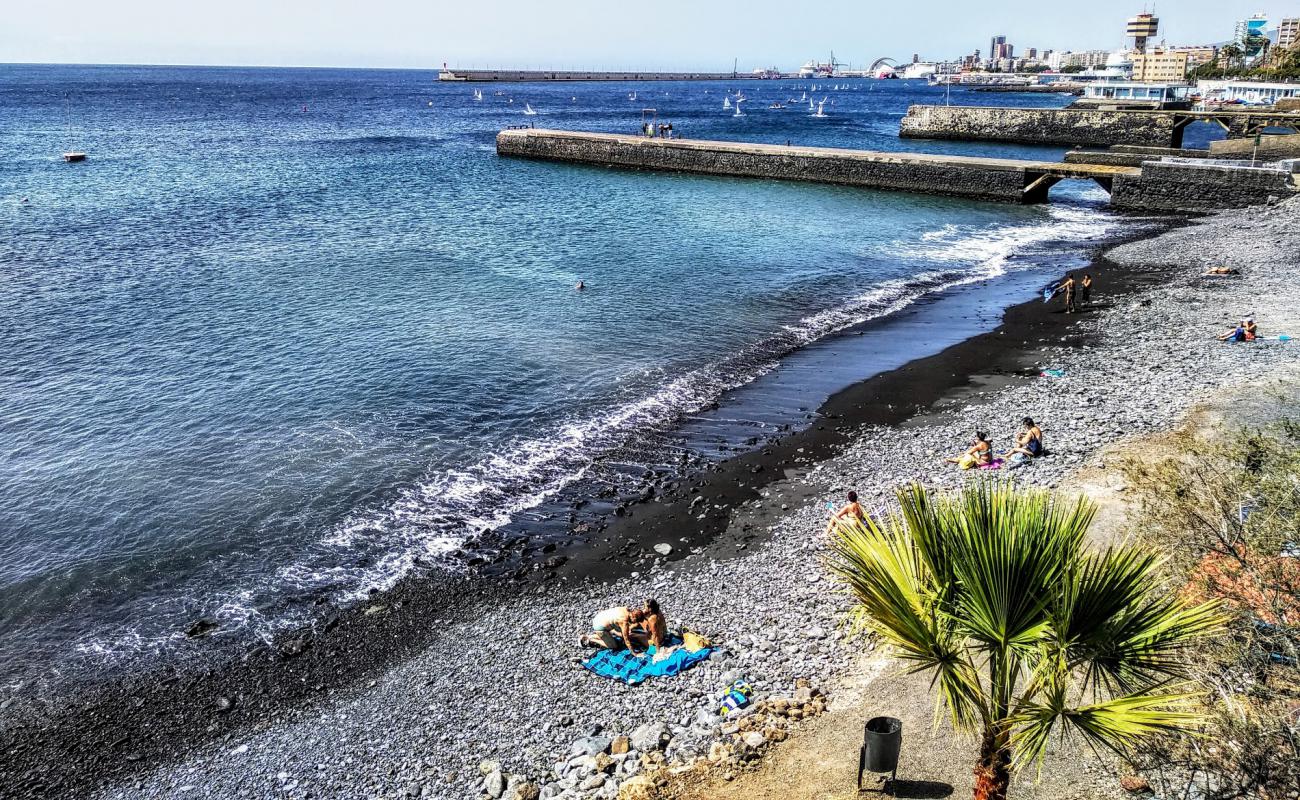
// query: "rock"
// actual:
[[816, 632], [201, 627], [1134, 783], [620, 745], [486, 768], [294, 647], [639, 787], [590, 745], [495, 784], [754, 739], [594, 782], [224, 704], [526, 791], [651, 737], [663, 549]]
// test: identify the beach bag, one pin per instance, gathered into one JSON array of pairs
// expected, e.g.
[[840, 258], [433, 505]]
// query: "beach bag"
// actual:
[[693, 641]]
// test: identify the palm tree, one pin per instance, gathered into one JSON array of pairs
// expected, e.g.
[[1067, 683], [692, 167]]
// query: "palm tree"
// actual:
[[992, 594]]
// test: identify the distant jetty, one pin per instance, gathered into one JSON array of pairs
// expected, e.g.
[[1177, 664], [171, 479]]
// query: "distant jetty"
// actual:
[[532, 75]]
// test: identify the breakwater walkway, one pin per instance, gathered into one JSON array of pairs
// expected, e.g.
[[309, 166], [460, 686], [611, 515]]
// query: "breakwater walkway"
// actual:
[[1001, 179], [1154, 185], [1081, 126]]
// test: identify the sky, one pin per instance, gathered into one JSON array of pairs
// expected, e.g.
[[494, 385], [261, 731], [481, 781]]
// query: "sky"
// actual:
[[609, 34]]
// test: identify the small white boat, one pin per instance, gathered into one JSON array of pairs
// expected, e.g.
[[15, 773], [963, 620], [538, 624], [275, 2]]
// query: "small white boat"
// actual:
[[478, 94], [821, 108], [528, 110], [726, 102], [73, 157], [631, 95], [738, 113]]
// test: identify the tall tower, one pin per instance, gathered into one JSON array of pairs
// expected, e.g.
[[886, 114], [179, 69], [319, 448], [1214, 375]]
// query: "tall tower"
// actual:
[[1141, 28]]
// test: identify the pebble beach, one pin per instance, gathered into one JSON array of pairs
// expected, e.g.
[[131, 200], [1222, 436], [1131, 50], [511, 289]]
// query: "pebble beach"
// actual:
[[496, 704]]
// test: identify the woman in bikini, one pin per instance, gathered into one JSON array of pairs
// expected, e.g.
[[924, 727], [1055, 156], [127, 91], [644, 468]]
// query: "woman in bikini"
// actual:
[[977, 455], [852, 510], [1029, 442]]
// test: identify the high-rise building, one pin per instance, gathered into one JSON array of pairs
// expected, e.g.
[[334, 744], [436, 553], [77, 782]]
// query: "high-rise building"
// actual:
[[1288, 33], [994, 46], [1141, 28], [1250, 37], [1031, 53]]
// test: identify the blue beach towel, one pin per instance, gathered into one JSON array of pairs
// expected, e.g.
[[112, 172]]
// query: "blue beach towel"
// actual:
[[633, 668]]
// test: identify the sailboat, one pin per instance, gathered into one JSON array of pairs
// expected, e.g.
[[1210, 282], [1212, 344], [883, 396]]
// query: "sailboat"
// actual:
[[821, 112], [738, 113], [528, 110], [726, 102], [478, 94], [631, 95], [810, 104]]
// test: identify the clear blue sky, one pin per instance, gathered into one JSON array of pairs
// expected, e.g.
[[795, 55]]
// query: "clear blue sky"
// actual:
[[671, 34]]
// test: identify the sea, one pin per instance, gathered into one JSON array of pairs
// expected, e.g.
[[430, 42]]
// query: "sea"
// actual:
[[291, 334]]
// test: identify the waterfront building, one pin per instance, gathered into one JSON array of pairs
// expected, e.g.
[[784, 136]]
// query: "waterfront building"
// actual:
[[1288, 33], [1141, 28], [1196, 54], [1253, 93], [1131, 94], [994, 44], [1160, 66], [1087, 59]]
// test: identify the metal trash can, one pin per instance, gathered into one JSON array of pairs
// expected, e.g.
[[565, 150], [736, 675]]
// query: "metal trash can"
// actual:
[[882, 738]]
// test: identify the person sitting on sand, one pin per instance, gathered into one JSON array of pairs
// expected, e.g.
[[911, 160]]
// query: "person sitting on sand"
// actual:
[[1252, 331], [1237, 334], [851, 509], [1223, 271], [978, 454], [1029, 441], [612, 628], [655, 625]]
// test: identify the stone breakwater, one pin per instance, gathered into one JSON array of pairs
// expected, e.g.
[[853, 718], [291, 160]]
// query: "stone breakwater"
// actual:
[[1058, 126], [498, 707], [1001, 179], [1150, 186]]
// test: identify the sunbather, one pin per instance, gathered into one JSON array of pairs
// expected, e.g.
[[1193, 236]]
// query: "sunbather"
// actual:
[[612, 628], [851, 510], [979, 453], [1029, 441]]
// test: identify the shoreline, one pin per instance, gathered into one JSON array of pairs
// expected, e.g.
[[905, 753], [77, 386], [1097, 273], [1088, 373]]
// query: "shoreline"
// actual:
[[141, 721]]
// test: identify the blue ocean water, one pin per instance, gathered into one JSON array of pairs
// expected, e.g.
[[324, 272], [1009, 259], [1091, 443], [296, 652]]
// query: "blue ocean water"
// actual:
[[288, 330]]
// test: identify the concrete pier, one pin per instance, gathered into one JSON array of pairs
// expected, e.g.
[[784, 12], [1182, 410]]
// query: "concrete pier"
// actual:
[[1188, 185], [1080, 126], [999, 179]]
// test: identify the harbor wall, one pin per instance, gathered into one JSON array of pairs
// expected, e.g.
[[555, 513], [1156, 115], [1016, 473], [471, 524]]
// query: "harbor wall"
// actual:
[[538, 75], [985, 179], [1055, 126], [1199, 186]]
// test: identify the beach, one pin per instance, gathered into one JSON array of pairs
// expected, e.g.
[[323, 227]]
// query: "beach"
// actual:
[[479, 692]]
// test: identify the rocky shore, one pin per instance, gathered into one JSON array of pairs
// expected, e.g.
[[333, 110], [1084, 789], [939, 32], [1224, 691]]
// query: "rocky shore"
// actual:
[[495, 704]]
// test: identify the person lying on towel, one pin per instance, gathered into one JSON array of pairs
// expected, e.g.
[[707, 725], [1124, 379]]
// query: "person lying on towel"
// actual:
[[619, 627]]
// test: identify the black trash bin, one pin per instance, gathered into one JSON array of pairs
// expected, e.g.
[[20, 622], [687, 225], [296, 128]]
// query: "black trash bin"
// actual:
[[882, 738]]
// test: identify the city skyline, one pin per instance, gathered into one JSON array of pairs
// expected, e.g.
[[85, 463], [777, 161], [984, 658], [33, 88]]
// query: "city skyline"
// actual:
[[510, 33]]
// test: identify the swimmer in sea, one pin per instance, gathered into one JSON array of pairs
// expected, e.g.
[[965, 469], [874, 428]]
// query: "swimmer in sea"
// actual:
[[580, 286]]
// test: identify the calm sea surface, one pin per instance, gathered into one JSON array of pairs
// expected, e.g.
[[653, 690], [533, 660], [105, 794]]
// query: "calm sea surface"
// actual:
[[287, 330]]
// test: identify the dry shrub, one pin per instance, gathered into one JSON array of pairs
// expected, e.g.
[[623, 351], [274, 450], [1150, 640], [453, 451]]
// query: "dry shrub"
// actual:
[[1226, 510]]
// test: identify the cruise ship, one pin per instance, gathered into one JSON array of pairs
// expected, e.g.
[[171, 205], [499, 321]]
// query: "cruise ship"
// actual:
[[814, 69]]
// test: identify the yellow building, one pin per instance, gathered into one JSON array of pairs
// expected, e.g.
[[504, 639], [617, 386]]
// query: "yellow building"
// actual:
[[1160, 67]]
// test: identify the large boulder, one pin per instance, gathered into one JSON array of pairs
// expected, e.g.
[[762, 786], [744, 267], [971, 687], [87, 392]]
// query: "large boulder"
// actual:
[[650, 737]]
